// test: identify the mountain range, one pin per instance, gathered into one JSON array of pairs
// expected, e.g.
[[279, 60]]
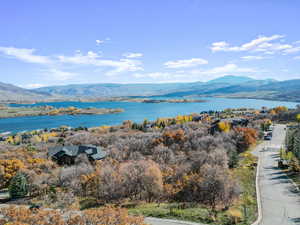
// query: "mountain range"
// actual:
[[12, 93], [227, 86]]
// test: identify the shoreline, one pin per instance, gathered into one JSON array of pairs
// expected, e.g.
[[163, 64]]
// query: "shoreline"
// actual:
[[13, 112], [144, 99], [141, 99]]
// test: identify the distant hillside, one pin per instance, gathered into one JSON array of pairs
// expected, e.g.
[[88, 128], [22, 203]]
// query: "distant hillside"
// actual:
[[117, 90], [285, 90], [227, 86], [11, 93], [229, 79], [259, 89]]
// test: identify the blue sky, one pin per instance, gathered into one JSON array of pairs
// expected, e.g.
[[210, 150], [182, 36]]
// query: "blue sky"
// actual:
[[134, 41]]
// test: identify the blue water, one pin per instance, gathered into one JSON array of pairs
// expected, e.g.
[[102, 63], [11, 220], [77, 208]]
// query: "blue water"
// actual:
[[133, 111]]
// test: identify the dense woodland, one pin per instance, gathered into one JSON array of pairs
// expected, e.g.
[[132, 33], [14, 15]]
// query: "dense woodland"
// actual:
[[177, 160]]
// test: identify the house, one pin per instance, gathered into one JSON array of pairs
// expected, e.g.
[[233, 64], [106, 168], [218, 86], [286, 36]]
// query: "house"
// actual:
[[236, 121], [67, 154]]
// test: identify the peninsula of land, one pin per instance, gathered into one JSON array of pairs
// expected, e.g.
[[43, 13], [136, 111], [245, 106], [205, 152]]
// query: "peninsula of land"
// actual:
[[9, 111]]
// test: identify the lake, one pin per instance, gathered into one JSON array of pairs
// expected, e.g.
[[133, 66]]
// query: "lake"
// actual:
[[133, 111]]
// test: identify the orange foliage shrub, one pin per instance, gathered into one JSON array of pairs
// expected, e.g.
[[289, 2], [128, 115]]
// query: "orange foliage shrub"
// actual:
[[280, 109], [105, 216], [249, 137], [173, 136]]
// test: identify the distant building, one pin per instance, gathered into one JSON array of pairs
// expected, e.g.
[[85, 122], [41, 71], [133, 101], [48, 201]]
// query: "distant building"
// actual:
[[197, 118], [234, 122], [67, 154]]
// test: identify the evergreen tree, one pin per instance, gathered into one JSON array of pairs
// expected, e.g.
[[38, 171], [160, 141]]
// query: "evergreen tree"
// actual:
[[18, 187]]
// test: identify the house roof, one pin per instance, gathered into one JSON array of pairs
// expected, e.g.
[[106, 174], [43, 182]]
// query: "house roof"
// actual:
[[73, 150]]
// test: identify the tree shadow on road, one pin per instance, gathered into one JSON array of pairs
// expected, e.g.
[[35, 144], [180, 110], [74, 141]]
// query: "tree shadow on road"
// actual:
[[275, 156], [295, 220], [280, 177], [277, 173], [271, 168]]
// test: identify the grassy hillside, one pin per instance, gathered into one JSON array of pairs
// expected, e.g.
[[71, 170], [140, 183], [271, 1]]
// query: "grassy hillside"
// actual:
[[163, 89], [11, 93], [227, 86]]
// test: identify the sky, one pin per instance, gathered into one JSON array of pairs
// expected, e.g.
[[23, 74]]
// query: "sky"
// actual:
[[59, 42]]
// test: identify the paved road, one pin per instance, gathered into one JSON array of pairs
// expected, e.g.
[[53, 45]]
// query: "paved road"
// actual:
[[280, 201], [156, 221]]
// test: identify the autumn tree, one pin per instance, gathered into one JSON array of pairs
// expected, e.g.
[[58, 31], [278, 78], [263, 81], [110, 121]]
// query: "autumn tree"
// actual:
[[246, 137], [213, 188], [106, 215], [107, 183], [142, 178], [265, 125], [8, 169], [163, 155], [173, 136], [298, 118], [280, 109], [224, 126]]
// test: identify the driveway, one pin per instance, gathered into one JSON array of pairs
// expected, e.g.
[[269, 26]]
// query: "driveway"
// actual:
[[280, 200]]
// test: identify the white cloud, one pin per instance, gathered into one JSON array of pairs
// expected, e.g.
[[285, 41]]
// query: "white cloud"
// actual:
[[229, 69], [155, 75], [199, 74], [59, 75], [24, 54], [92, 58], [297, 57], [185, 63], [125, 65], [132, 55], [98, 42], [263, 44], [224, 46], [295, 49], [252, 57], [32, 86]]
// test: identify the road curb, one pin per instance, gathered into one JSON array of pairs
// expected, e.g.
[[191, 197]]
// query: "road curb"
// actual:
[[258, 198]]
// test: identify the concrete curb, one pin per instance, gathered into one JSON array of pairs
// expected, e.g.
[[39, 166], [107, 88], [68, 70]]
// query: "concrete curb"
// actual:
[[258, 198]]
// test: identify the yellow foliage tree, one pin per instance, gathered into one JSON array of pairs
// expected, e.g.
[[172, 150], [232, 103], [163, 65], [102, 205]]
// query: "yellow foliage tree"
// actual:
[[10, 140], [224, 126], [36, 139], [8, 169], [298, 118], [183, 119], [280, 109]]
